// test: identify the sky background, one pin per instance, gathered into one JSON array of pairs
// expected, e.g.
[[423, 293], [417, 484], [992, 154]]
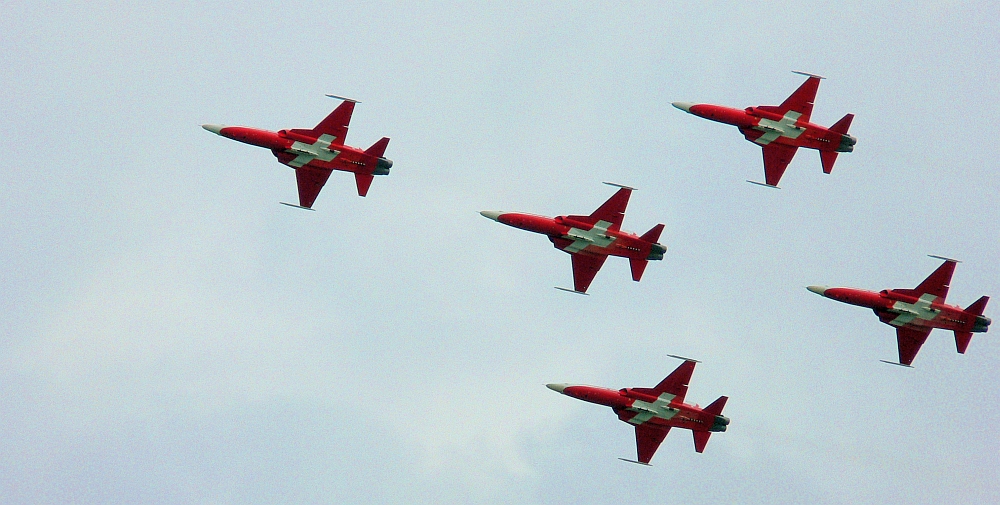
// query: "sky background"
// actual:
[[170, 334]]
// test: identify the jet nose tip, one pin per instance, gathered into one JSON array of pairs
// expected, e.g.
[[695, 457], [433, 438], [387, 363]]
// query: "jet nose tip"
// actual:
[[559, 388], [492, 214], [684, 106], [214, 128], [819, 290]]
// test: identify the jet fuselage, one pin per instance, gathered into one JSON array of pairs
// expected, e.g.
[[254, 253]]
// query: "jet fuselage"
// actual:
[[636, 406], [297, 150], [764, 127], [575, 236], [904, 310]]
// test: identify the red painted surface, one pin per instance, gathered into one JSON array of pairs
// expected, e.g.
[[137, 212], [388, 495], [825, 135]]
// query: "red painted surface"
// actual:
[[894, 306], [778, 153], [565, 233], [312, 176], [639, 407]]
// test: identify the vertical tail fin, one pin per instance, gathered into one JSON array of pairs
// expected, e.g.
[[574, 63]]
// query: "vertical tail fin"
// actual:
[[701, 440]]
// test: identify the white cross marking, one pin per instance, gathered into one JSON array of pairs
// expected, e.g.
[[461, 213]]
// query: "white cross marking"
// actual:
[[910, 311], [784, 128], [308, 152], [594, 236], [647, 410]]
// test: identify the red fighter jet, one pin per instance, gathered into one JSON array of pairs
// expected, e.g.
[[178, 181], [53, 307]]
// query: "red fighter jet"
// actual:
[[782, 129], [316, 153], [915, 312], [591, 239], [654, 411]]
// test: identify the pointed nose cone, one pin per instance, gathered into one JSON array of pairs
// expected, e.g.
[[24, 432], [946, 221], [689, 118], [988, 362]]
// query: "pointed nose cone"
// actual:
[[214, 128], [819, 290], [684, 106], [492, 214], [557, 387]]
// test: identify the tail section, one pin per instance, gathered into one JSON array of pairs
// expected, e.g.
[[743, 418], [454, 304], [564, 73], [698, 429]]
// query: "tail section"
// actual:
[[719, 423], [979, 325], [845, 143]]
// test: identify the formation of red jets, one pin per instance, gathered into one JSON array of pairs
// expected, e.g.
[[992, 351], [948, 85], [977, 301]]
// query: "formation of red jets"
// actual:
[[780, 130]]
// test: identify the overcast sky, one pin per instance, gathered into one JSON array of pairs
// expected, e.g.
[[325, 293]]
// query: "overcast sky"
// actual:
[[171, 334]]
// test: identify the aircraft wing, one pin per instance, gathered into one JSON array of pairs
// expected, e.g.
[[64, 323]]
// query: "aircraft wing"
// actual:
[[776, 160], [310, 180], [909, 341], [335, 124], [613, 210], [585, 267], [800, 101], [647, 440], [677, 382], [938, 282]]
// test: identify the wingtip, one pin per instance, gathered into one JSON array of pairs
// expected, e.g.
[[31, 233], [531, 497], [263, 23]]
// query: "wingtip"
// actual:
[[895, 363], [766, 185], [808, 74], [634, 461], [683, 358], [344, 98], [944, 258], [615, 184]]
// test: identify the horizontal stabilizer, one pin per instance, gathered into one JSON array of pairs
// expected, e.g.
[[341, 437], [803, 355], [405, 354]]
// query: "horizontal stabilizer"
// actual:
[[638, 267], [653, 234], [701, 440], [572, 291], [978, 306], [828, 158], [843, 125], [378, 149], [962, 339], [717, 406], [364, 182]]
